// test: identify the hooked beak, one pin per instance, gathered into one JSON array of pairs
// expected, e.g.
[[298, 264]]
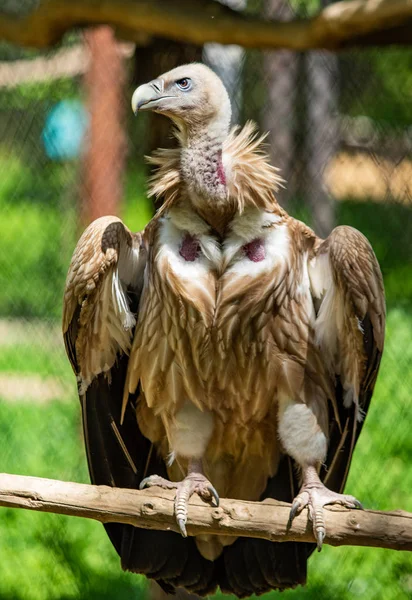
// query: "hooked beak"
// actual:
[[148, 96]]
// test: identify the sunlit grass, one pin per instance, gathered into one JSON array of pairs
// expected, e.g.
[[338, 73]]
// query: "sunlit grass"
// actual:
[[35, 359]]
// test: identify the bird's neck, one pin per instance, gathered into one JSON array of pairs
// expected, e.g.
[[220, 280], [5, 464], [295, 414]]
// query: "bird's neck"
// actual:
[[203, 170]]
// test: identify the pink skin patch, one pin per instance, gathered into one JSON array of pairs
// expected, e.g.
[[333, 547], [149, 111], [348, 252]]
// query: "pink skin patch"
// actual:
[[255, 250], [190, 248]]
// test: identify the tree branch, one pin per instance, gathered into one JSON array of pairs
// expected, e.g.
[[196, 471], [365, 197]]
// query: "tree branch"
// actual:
[[341, 24], [153, 509]]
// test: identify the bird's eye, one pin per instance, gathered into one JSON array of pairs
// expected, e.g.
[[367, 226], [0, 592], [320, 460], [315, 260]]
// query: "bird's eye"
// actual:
[[184, 84]]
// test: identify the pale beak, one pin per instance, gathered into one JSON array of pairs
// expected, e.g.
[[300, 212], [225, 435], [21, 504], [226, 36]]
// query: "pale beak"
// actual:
[[148, 96]]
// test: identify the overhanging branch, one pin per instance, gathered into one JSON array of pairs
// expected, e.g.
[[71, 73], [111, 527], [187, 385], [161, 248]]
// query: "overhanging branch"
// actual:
[[153, 509], [342, 24]]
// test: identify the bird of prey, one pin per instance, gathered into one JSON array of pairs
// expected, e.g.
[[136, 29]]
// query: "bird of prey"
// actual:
[[224, 351]]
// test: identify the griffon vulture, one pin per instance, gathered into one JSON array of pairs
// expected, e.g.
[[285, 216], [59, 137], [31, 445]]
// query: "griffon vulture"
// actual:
[[225, 351]]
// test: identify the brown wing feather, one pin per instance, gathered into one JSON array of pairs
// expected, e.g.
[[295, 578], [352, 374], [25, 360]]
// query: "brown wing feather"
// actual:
[[106, 266], [118, 453], [350, 329]]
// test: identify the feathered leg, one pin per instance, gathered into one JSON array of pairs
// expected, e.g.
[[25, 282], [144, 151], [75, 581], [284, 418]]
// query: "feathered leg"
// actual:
[[195, 482], [304, 440], [188, 432]]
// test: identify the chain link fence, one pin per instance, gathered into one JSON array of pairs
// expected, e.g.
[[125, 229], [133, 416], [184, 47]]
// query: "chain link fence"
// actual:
[[340, 128]]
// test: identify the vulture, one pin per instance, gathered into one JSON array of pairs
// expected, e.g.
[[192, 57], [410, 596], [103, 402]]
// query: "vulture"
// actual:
[[225, 351]]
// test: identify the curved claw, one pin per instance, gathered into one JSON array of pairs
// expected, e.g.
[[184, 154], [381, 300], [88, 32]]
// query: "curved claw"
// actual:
[[182, 526], [214, 494], [293, 513], [320, 536], [358, 504], [144, 483], [298, 505]]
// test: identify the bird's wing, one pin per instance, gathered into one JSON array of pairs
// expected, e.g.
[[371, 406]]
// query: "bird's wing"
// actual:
[[101, 301], [348, 292], [105, 278]]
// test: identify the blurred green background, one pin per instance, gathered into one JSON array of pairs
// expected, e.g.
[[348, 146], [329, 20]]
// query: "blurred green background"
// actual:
[[49, 557]]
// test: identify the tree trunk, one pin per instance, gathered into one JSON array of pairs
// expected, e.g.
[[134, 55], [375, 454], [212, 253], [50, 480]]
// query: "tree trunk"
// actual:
[[322, 134], [105, 153], [280, 75]]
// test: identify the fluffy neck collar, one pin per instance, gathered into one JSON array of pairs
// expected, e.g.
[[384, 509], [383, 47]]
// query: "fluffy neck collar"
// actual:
[[193, 173]]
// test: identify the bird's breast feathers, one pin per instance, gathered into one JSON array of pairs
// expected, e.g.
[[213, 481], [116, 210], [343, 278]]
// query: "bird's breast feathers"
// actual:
[[223, 316], [212, 276]]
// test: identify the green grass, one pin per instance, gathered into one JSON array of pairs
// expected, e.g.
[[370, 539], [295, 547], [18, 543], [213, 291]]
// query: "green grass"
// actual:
[[35, 359], [50, 557], [39, 229], [44, 556]]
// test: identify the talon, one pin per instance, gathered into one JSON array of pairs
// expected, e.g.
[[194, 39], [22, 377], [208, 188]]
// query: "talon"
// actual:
[[214, 494], [182, 526], [296, 508], [319, 538], [292, 514], [358, 504], [144, 483]]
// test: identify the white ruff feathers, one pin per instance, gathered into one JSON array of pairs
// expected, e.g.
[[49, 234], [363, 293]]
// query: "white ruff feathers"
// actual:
[[251, 179]]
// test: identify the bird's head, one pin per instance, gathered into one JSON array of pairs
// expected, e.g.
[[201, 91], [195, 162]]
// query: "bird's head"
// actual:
[[190, 95]]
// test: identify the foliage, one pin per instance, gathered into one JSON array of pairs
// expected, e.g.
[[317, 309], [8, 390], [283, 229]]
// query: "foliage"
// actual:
[[40, 231], [376, 83]]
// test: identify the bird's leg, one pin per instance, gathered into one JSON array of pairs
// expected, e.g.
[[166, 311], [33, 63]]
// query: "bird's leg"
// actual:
[[305, 440], [315, 495], [194, 482]]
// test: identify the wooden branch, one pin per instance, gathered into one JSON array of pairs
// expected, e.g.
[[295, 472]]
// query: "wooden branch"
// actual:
[[339, 25], [153, 509]]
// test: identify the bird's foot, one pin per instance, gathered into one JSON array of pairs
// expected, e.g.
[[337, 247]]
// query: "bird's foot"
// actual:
[[315, 496], [194, 483]]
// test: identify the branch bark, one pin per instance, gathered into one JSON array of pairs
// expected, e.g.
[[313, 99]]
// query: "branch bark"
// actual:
[[340, 25], [153, 509]]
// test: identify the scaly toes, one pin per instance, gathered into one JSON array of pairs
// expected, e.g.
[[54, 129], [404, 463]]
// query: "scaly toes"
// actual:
[[193, 484], [317, 517], [184, 491], [348, 501], [156, 480], [315, 498]]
